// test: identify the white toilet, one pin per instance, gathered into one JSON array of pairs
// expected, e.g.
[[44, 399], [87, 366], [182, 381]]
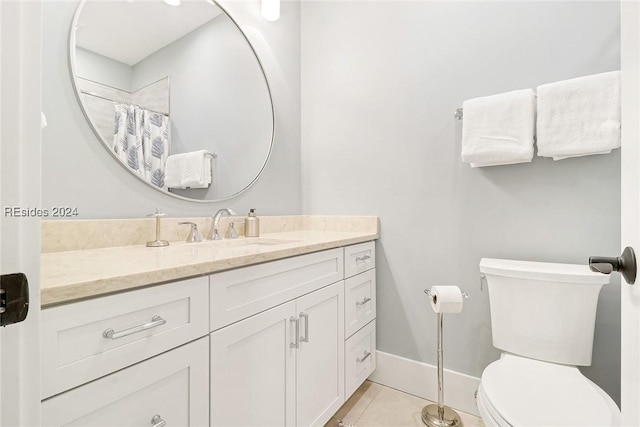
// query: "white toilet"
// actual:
[[542, 318]]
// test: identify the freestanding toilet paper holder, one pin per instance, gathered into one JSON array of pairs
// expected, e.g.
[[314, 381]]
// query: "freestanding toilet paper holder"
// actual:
[[440, 415]]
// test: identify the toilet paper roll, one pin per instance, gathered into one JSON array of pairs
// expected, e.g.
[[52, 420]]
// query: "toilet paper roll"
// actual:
[[446, 299]]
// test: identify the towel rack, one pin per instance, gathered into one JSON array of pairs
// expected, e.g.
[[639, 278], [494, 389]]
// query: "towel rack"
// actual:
[[458, 114], [212, 155]]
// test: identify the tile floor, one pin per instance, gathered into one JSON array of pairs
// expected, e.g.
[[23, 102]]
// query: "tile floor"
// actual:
[[374, 405]]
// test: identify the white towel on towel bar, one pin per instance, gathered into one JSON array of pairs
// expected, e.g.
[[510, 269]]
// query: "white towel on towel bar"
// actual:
[[499, 129], [579, 117], [188, 170]]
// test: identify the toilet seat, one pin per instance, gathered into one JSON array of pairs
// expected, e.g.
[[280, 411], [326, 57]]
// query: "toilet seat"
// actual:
[[516, 391], [489, 415]]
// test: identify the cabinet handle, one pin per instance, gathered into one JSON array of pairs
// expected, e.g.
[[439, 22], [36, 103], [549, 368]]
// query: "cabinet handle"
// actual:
[[157, 421], [366, 355], [155, 322], [363, 258], [295, 344], [305, 338], [364, 301]]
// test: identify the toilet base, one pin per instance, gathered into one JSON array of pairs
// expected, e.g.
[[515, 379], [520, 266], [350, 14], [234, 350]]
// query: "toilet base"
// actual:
[[430, 417]]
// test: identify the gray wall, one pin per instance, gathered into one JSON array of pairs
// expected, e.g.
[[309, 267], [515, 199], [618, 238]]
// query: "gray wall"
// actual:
[[98, 68], [380, 83], [224, 109], [78, 171]]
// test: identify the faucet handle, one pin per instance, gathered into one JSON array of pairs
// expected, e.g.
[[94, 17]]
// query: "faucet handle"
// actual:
[[157, 213], [232, 232], [158, 243], [194, 234], [214, 234]]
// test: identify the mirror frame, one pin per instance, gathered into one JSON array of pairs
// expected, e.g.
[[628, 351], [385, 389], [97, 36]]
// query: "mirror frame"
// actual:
[[94, 128]]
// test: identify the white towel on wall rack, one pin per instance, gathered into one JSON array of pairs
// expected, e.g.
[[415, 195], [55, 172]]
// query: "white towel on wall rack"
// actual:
[[499, 129], [579, 117], [189, 170]]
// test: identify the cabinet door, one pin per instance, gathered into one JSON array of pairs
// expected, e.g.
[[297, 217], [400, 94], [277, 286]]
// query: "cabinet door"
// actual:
[[320, 363], [172, 387], [253, 371]]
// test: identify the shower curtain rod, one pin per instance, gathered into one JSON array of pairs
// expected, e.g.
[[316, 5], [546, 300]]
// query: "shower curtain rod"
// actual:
[[86, 92]]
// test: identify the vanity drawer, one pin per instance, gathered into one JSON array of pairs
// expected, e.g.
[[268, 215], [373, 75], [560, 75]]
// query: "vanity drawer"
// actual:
[[238, 294], [86, 340], [173, 386], [360, 301], [360, 357], [359, 258]]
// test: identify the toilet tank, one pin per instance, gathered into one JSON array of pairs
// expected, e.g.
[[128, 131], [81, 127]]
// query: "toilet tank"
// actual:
[[543, 311]]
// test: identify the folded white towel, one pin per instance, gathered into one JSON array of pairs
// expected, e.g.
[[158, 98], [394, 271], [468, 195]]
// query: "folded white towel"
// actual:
[[188, 170], [208, 170], [579, 117], [498, 129]]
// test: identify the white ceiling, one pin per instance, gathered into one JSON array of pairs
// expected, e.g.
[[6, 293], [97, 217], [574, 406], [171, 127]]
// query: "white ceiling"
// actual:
[[130, 30]]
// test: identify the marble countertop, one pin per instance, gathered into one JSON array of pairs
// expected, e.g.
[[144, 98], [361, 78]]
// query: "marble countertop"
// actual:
[[72, 275]]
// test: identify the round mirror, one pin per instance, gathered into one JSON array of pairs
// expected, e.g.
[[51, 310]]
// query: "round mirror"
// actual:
[[175, 92]]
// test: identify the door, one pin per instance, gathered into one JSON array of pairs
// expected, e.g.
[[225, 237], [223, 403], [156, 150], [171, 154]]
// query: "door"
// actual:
[[320, 363], [20, 102], [630, 381], [253, 370]]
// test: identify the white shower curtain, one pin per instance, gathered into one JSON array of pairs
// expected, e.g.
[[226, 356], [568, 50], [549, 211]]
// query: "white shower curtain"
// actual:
[[141, 141]]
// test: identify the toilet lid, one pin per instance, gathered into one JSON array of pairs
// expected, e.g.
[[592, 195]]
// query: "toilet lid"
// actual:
[[528, 392]]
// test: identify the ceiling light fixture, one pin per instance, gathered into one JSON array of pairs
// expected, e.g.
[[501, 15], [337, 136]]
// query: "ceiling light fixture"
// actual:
[[172, 2], [271, 10]]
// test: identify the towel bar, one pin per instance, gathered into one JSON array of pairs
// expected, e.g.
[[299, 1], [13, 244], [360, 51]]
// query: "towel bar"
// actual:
[[458, 114]]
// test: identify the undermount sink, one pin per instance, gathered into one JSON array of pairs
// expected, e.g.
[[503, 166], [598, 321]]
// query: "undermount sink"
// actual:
[[249, 242]]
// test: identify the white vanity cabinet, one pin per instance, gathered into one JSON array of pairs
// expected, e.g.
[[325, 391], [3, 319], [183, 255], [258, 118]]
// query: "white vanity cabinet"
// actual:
[[283, 366], [280, 343]]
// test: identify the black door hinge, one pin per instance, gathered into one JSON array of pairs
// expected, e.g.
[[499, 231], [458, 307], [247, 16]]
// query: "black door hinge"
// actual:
[[14, 298]]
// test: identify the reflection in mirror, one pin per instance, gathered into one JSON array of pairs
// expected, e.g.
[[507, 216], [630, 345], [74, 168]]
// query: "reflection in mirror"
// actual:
[[176, 94]]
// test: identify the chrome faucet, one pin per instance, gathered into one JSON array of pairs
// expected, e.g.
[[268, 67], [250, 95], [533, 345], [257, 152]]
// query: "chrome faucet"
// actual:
[[213, 234]]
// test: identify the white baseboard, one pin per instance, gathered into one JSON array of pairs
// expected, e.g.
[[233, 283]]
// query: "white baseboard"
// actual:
[[421, 379]]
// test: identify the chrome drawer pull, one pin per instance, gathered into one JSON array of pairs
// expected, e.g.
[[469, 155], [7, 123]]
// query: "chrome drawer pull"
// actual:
[[157, 421], [296, 343], [155, 322], [305, 338], [364, 301], [366, 355], [363, 258]]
